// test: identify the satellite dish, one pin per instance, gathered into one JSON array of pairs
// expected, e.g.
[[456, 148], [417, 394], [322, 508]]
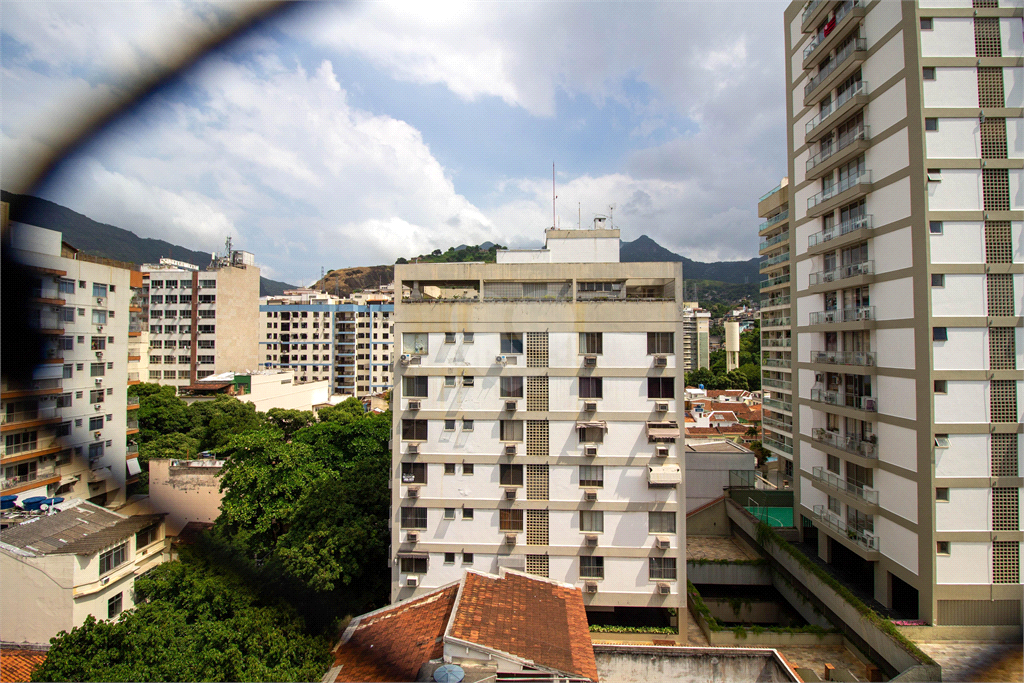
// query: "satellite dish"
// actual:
[[449, 673]]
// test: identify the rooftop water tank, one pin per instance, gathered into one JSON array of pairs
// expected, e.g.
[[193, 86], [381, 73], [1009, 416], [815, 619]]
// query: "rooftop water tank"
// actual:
[[449, 673], [7, 502], [33, 503]]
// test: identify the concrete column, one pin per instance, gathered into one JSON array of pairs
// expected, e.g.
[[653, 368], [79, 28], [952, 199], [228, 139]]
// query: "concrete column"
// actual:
[[824, 552], [883, 585]]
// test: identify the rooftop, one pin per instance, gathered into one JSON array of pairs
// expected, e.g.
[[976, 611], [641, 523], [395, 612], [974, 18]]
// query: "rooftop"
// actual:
[[77, 527], [18, 663]]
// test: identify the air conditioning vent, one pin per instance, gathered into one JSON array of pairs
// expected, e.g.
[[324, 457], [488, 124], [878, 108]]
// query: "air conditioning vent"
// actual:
[[591, 540], [510, 539], [414, 491], [501, 360], [412, 581], [511, 406], [510, 494], [414, 405], [591, 587], [661, 407], [664, 589], [413, 449], [663, 543], [590, 407], [97, 435], [415, 360], [590, 361], [590, 495], [590, 450], [660, 362], [99, 382], [510, 449], [412, 536], [661, 451], [99, 355]]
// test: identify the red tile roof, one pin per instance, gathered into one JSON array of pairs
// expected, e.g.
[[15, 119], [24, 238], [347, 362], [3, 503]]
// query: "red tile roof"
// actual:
[[17, 664], [393, 643], [534, 619], [702, 431]]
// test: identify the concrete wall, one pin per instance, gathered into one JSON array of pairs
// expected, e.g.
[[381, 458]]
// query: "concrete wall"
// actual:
[[238, 305], [281, 391], [186, 494], [652, 663], [36, 597]]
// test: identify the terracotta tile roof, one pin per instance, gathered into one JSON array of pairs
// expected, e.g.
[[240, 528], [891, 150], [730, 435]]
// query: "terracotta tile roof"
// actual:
[[702, 431], [535, 619], [392, 644], [17, 664]]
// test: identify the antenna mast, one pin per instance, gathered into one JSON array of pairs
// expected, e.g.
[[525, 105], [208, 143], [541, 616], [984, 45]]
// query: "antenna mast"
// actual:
[[554, 220]]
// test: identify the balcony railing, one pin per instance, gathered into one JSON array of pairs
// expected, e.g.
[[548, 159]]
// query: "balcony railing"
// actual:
[[859, 88], [772, 423], [132, 424], [47, 412], [774, 260], [777, 383], [777, 218], [46, 321], [842, 273], [20, 480], [772, 281], [133, 377], [778, 446], [772, 241], [769, 193], [864, 539], [839, 188], [845, 140], [777, 363], [834, 481], [775, 322], [777, 301], [777, 343], [863, 358], [841, 13], [132, 449], [809, 9], [840, 398], [778, 405], [133, 403], [844, 228], [44, 441], [830, 68], [848, 443], [844, 315]]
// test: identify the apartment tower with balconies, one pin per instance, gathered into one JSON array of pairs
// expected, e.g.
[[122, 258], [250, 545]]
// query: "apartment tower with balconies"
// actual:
[[906, 193]]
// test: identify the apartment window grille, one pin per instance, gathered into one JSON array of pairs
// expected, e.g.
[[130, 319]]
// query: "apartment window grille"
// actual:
[[1005, 509], [536, 349], [990, 87], [1000, 293], [536, 527], [510, 520], [537, 438], [511, 430], [414, 473], [183, 374], [1003, 448], [591, 567], [536, 393], [591, 387], [986, 37], [998, 243], [511, 342], [154, 374], [661, 568], [512, 387], [993, 139], [414, 518], [1003, 400], [591, 343], [413, 565], [661, 387], [591, 476], [660, 342], [661, 522], [592, 520], [537, 565], [1002, 352], [995, 189], [415, 387], [1005, 562], [510, 475], [414, 430], [529, 291], [113, 558], [536, 482]]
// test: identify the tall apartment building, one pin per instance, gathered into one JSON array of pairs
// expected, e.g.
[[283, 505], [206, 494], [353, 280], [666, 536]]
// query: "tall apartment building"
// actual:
[[536, 424], [64, 433], [322, 337], [201, 322], [696, 337], [776, 327], [905, 166]]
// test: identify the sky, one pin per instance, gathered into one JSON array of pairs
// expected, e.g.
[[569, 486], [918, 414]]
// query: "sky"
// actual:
[[352, 134]]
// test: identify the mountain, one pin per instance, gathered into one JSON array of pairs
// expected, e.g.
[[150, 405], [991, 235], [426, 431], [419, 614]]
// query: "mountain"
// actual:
[[100, 239], [643, 248], [344, 281]]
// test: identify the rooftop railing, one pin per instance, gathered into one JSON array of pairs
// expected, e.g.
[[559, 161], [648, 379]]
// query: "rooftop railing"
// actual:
[[849, 443], [844, 228], [864, 539], [842, 273], [842, 315], [834, 481], [858, 88], [837, 189], [862, 358], [830, 68]]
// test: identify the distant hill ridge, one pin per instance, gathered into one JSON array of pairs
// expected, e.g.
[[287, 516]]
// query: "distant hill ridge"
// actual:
[[643, 248]]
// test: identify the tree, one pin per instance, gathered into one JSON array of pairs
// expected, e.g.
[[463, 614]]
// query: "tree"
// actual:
[[346, 411], [401, 261], [760, 452], [737, 380], [161, 412], [436, 252], [215, 422], [698, 377], [290, 421], [752, 371]]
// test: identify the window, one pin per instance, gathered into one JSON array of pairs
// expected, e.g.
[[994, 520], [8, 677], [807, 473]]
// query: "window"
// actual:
[[591, 567], [414, 430], [928, 73], [834, 464], [413, 565], [940, 386], [113, 558], [449, 514], [114, 605], [449, 337], [449, 468], [467, 425], [510, 475], [926, 24], [145, 537], [511, 342], [68, 369], [414, 518], [931, 124], [661, 568], [467, 337], [415, 386], [203, 329], [510, 520], [661, 387], [449, 425], [592, 520], [591, 343], [942, 547], [449, 381], [467, 513], [99, 317], [467, 469], [590, 434], [467, 558], [591, 387], [68, 314], [661, 522], [97, 369], [660, 342], [942, 494], [938, 280], [414, 473], [511, 387], [96, 396], [939, 334], [99, 289], [415, 343], [209, 284], [511, 430], [468, 380], [935, 227], [934, 175], [155, 359], [591, 476], [65, 286], [184, 360], [96, 423]]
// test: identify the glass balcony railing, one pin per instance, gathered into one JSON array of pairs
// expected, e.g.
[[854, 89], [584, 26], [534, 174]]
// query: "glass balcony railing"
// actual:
[[834, 481], [844, 315], [864, 177], [133, 377], [772, 281], [769, 193], [774, 220], [838, 61], [841, 13], [132, 449], [809, 9], [48, 412], [775, 260], [777, 343], [771, 242], [842, 273], [845, 140], [777, 404], [772, 423], [848, 443], [775, 322], [844, 228], [839, 398], [863, 538], [777, 363], [777, 301], [772, 444], [859, 88], [777, 383], [862, 358]]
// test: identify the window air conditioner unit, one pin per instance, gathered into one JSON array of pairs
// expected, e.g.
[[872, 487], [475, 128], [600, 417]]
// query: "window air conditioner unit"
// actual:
[[413, 449], [590, 450], [99, 355], [591, 586], [591, 540], [590, 407], [590, 495], [414, 492], [97, 435], [660, 362], [661, 407], [663, 543], [99, 328], [99, 382], [510, 539], [412, 581], [99, 301], [590, 361], [510, 449], [412, 536], [661, 451], [510, 494], [414, 405], [664, 589], [98, 407], [510, 406], [502, 360], [415, 360], [105, 580]]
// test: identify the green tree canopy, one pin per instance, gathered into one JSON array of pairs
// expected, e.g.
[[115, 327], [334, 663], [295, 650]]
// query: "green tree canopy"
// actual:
[[699, 376], [346, 411], [161, 411], [215, 422], [290, 421]]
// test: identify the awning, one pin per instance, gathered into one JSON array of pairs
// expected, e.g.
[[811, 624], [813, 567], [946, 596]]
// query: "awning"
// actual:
[[662, 431], [417, 556], [666, 475], [69, 479], [133, 467], [592, 424]]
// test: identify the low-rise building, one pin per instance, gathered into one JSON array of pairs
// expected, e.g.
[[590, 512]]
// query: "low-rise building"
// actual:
[[267, 389], [185, 490], [709, 463]]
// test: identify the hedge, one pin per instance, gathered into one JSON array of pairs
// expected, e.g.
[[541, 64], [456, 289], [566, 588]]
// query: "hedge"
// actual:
[[598, 628]]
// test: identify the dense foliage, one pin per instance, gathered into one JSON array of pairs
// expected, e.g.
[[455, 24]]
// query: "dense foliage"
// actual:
[[746, 376], [453, 255]]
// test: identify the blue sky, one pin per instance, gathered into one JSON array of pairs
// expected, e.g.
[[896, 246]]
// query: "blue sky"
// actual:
[[352, 134]]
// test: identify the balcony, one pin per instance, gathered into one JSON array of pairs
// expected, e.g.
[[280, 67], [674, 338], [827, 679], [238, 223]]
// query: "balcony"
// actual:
[[777, 363], [845, 315], [777, 446], [841, 273], [132, 426], [844, 228], [776, 322], [133, 403], [133, 378], [841, 59], [847, 183], [772, 241], [847, 142], [40, 475], [47, 323], [838, 398], [864, 539], [132, 450], [784, 343], [776, 404], [848, 444], [774, 220], [37, 387], [775, 260], [774, 281], [776, 301], [777, 383], [844, 10], [27, 418], [814, 126], [837, 483], [46, 442], [772, 423], [867, 359], [810, 12]]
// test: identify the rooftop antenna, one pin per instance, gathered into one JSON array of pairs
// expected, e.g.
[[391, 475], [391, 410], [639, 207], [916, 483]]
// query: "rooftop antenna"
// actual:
[[323, 284], [579, 216], [554, 197], [611, 214], [227, 246]]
